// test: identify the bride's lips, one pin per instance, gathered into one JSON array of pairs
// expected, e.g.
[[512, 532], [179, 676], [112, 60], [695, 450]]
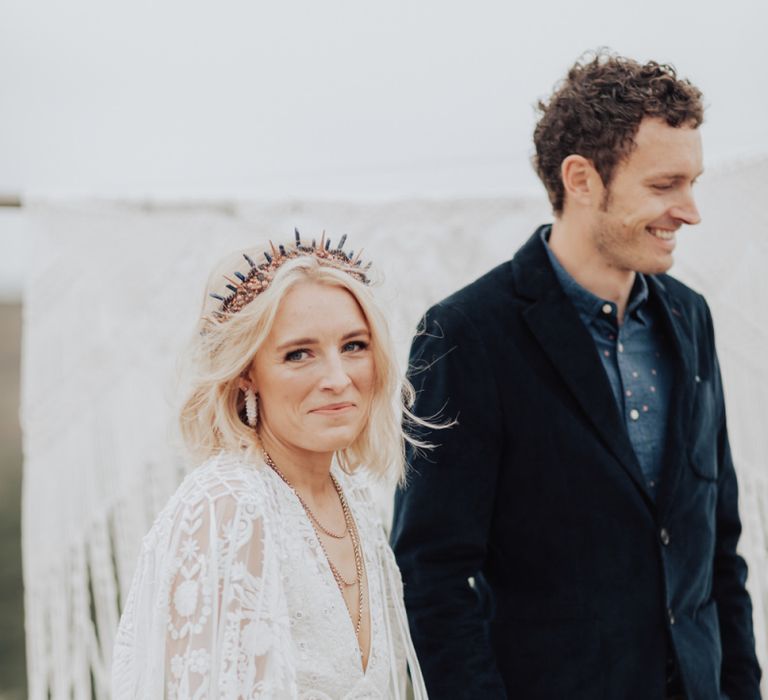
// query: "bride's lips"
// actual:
[[334, 408]]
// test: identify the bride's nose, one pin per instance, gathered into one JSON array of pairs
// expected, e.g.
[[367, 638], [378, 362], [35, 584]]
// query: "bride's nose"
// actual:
[[335, 377]]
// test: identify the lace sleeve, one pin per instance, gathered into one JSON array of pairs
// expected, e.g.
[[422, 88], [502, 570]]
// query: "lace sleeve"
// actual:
[[206, 616]]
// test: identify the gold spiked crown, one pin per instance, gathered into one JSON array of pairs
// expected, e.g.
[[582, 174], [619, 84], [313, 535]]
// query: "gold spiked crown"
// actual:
[[257, 279]]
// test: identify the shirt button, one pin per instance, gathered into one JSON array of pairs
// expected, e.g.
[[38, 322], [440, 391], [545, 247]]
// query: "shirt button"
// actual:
[[664, 536], [671, 616], [634, 414], [607, 308]]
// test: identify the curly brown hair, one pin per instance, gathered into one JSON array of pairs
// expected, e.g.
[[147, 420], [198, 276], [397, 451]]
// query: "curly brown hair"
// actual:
[[596, 112]]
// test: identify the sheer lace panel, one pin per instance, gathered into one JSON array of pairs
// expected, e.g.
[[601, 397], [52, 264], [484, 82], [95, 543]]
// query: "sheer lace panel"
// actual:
[[218, 597]]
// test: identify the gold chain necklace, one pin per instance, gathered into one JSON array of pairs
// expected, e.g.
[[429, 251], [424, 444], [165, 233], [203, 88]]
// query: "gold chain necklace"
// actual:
[[350, 527], [311, 514]]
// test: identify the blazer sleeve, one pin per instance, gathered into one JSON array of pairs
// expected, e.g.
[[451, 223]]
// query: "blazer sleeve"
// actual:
[[740, 674], [443, 515]]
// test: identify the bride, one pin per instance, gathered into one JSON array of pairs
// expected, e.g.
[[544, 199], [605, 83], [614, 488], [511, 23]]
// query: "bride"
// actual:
[[268, 574]]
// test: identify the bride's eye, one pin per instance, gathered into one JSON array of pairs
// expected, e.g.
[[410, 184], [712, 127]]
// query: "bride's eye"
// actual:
[[296, 355], [354, 346]]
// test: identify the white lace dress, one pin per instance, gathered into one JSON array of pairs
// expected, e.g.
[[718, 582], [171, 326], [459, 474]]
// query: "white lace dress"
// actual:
[[233, 598]]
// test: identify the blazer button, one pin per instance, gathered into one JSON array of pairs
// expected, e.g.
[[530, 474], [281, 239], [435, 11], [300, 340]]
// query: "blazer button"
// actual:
[[664, 536], [671, 616]]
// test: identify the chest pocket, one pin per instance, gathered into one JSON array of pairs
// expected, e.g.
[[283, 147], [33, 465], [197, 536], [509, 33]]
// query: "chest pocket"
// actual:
[[705, 423]]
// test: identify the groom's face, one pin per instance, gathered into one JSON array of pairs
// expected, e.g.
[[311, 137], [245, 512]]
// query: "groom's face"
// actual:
[[649, 198]]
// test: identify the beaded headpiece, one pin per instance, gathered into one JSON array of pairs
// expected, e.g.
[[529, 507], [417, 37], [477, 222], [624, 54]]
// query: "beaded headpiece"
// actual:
[[257, 279]]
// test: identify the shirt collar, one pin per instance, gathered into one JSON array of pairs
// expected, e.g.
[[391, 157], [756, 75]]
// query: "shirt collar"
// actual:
[[587, 304]]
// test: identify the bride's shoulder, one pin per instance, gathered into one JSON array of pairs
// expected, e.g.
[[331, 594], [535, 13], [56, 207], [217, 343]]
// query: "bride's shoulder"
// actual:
[[367, 495], [224, 481], [358, 483], [226, 488]]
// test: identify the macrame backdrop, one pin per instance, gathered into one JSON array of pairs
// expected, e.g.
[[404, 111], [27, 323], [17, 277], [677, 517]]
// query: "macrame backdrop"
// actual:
[[113, 294]]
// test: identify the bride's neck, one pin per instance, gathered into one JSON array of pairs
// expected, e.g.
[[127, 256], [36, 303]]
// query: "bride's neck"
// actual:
[[307, 471]]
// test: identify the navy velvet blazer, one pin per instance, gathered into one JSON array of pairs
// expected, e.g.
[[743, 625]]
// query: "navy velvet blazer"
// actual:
[[535, 563]]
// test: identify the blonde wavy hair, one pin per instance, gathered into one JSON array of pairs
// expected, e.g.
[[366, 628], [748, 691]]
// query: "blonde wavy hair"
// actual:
[[212, 414]]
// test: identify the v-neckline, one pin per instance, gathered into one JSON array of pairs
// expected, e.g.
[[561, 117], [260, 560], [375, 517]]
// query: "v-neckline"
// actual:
[[328, 574], [367, 590]]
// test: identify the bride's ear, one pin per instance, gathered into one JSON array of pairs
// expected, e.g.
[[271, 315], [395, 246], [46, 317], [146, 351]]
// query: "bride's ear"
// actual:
[[247, 379]]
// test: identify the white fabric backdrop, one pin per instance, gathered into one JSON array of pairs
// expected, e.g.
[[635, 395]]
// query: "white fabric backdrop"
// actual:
[[114, 294]]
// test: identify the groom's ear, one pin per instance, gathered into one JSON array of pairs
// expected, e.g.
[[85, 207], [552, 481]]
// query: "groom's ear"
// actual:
[[582, 183]]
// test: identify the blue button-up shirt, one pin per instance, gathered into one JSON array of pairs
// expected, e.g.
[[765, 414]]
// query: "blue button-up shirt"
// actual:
[[637, 359]]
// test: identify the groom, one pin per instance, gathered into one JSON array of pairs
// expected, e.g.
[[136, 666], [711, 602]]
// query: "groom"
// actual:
[[573, 536]]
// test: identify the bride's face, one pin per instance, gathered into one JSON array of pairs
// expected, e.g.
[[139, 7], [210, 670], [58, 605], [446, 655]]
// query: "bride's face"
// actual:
[[315, 374]]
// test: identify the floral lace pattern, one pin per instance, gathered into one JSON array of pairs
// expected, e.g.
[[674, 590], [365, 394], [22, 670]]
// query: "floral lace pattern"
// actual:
[[233, 598]]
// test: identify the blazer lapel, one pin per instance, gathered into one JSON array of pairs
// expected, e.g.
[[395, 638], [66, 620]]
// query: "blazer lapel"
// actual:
[[556, 325], [681, 405]]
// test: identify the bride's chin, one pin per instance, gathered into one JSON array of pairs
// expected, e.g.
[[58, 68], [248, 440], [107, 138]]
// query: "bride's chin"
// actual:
[[335, 440]]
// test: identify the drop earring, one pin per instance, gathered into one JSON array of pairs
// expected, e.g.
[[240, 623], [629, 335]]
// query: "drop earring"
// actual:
[[251, 407]]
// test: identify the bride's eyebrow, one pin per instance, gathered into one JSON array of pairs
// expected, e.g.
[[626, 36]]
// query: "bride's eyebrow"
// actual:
[[315, 341], [352, 334], [298, 341]]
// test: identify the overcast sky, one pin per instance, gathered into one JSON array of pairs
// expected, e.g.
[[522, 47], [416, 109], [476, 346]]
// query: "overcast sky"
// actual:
[[334, 98]]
